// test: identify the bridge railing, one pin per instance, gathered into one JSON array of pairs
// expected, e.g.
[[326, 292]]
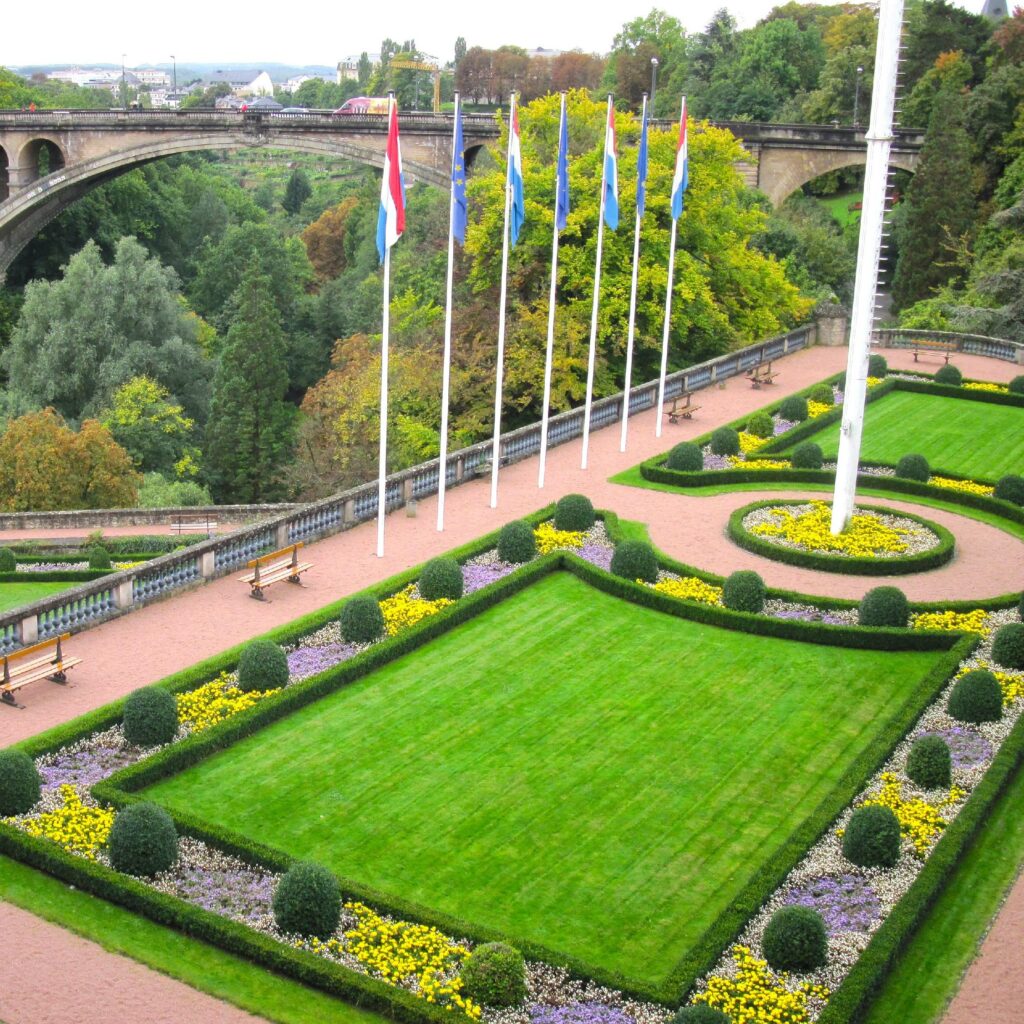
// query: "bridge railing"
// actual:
[[113, 595], [971, 344]]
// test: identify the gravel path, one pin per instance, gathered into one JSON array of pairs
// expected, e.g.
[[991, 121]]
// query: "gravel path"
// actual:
[[151, 643]]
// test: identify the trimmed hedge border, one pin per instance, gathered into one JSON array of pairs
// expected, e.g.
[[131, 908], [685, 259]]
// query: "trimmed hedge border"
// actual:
[[856, 566], [55, 576]]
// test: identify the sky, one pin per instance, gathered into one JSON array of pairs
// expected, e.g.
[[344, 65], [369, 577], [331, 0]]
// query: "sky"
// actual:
[[69, 31]]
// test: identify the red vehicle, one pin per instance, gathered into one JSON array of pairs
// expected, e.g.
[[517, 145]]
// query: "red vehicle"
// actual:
[[364, 105]]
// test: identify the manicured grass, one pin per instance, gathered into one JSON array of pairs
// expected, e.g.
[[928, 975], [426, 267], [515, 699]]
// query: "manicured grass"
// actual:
[[839, 206], [14, 595], [203, 967], [929, 971], [568, 768], [974, 439]]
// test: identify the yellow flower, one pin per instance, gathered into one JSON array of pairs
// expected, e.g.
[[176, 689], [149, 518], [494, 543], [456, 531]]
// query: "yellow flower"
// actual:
[[866, 536], [920, 821], [967, 486], [751, 442], [77, 826], [549, 539], [982, 385], [960, 622], [214, 701], [690, 588], [403, 610]]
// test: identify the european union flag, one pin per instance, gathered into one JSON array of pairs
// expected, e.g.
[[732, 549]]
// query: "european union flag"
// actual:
[[459, 180], [641, 167], [562, 187]]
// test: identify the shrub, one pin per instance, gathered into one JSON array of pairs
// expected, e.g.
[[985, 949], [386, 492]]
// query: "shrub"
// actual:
[[807, 456], [441, 577], [99, 557], [976, 697], [949, 374], [686, 457], [20, 784], [744, 591], [574, 512], [1011, 488], [877, 366], [143, 840], [1020, 607], [725, 441], [761, 424], [307, 901], [516, 542], [494, 974], [361, 620], [700, 1013], [1008, 645], [822, 393], [872, 837], [929, 764], [1016, 386], [262, 666], [914, 467], [794, 408], [8, 563], [795, 940], [150, 716], [635, 560], [883, 606]]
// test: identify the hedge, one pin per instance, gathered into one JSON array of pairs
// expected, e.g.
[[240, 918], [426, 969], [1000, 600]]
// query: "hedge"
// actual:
[[856, 566], [70, 576]]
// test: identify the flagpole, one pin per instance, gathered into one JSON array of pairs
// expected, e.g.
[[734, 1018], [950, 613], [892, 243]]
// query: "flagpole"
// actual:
[[500, 370], [383, 456], [549, 355], [442, 470], [665, 330], [632, 303], [597, 296]]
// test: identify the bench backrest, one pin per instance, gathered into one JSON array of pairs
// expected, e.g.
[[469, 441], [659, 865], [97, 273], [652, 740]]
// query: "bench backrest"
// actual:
[[12, 659], [292, 550]]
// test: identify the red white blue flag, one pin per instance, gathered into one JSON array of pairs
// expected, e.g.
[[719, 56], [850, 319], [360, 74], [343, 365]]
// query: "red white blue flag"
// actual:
[[515, 175], [681, 178], [391, 218], [611, 171]]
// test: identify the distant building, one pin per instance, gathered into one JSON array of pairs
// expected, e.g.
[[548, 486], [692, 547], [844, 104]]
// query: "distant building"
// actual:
[[348, 69], [244, 82], [152, 77], [294, 83], [995, 10], [541, 51]]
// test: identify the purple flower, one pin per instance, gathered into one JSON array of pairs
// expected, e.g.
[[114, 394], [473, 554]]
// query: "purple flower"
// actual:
[[578, 1013], [308, 661], [85, 767], [967, 748], [232, 893], [597, 554], [781, 425], [800, 614], [846, 904], [475, 576], [716, 462]]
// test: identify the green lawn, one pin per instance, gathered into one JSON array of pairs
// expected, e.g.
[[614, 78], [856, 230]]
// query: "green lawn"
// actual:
[[568, 768], [839, 206], [975, 439], [13, 595]]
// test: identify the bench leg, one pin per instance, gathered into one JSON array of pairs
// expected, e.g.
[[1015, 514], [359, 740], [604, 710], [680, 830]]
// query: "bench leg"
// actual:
[[7, 697], [915, 355], [297, 580], [58, 677], [256, 592]]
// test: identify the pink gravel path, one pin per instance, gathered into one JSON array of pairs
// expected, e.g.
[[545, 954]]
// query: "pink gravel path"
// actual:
[[151, 643]]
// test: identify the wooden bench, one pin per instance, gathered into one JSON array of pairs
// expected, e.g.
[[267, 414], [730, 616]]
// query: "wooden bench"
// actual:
[[44, 660], [936, 345], [206, 526], [682, 408], [762, 374], [272, 568]]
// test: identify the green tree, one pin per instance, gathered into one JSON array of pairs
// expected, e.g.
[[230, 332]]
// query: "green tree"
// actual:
[[936, 26], [297, 191], [249, 431], [654, 36], [364, 70], [940, 206]]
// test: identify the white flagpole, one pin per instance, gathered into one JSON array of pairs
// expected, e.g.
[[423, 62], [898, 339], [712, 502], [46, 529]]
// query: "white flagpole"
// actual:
[[383, 458], [500, 371], [442, 470], [597, 297], [632, 317], [665, 330], [551, 327]]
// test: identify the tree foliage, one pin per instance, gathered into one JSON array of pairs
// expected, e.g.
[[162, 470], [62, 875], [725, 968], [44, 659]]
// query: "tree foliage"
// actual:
[[297, 191]]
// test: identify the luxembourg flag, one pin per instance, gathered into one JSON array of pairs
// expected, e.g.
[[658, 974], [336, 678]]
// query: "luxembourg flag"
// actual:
[[391, 218], [515, 175], [682, 175], [611, 172]]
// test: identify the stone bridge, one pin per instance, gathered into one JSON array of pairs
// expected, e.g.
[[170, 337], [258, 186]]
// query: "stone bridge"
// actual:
[[49, 159]]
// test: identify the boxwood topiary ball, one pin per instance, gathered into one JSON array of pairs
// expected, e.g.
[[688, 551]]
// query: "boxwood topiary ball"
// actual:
[[794, 408], [725, 441], [8, 563], [929, 763], [635, 560], [686, 457], [823, 394], [307, 901], [761, 424], [150, 716], [262, 666], [20, 784], [441, 577], [361, 620], [877, 366], [1011, 488], [1016, 386], [516, 542], [807, 456], [700, 1013], [872, 838], [744, 591], [914, 467], [494, 974], [574, 512], [99, 557], [883, 606], [976, 697], [143, 840], [795, 940], [950, 375], [1008, 645]]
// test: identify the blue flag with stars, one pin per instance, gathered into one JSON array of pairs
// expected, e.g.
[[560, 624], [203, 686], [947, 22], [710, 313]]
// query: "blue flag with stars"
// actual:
[[459, 180]]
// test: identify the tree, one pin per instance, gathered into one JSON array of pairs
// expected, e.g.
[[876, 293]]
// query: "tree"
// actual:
[[249, 431], [363, 70], [460, 51], [325, 239], [951, 70], [628, 73], [576, 70], [297, 191], [936, 26], [940, 205]]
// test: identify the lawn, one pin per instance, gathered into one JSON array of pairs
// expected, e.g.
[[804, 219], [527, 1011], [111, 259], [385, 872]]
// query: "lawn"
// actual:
[[568, 768], [973, 439], [839, 206], [13, 595]]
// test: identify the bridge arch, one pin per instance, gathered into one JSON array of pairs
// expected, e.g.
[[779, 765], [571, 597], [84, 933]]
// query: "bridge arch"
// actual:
[[785, 171], [37, 158], [5, 177]]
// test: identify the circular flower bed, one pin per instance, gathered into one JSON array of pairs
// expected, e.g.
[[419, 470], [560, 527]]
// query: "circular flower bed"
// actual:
[[877, 541]]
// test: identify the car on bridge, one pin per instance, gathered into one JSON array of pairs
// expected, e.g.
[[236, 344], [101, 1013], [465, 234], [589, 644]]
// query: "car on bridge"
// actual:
[[364, 105]]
